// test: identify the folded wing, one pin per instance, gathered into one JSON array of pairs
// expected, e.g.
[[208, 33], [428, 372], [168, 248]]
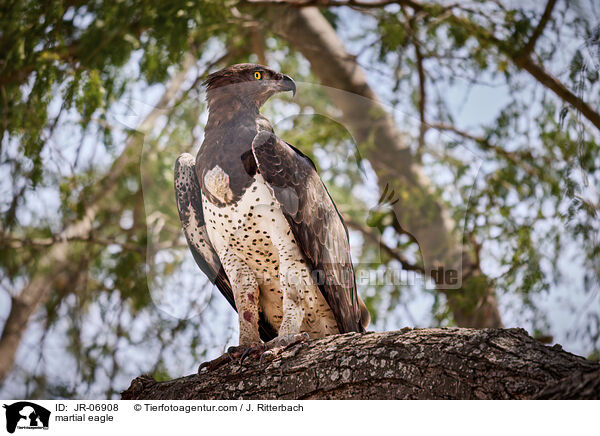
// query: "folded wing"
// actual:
[[315, 222]]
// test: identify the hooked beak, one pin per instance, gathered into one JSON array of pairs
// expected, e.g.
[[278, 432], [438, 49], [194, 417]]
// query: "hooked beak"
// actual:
[[287, 84]]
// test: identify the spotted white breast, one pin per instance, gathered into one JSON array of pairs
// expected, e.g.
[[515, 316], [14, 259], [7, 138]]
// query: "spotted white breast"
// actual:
[[254, 234]]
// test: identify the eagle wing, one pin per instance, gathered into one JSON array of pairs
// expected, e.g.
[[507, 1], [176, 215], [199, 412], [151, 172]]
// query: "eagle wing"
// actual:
[[315, 222], [189, 206]]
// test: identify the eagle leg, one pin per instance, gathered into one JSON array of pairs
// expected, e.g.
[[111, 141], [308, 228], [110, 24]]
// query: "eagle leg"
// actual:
[[245, 292]]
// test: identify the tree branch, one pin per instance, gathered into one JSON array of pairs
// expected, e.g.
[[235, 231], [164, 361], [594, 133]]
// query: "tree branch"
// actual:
[[511, 157], [579, 386], [422, 97], [447, 363], [556, 86], [528, 48], [522, 59], [89, 238], [374, 239]]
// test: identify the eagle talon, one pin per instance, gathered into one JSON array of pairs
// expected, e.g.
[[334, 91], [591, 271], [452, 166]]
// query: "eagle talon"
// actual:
[[239, 353], [287, 340], [282, 343], [235, 353], [252, 351], [267, 354], [211, 365], [245, 354], [262, 350]]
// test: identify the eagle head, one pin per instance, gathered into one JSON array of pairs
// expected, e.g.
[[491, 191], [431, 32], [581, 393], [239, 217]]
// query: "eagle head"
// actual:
[[251, 83]]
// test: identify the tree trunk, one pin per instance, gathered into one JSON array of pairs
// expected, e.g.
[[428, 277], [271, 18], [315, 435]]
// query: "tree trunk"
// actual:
[[449, 363], [418, 208]]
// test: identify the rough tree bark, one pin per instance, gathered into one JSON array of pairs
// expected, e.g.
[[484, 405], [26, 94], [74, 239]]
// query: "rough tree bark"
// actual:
[[448, 363]]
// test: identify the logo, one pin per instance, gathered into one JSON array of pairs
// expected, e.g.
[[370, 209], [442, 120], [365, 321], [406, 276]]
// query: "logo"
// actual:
[[26, 415]]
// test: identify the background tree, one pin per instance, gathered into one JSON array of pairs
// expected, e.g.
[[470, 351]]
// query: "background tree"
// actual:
[[493, 99]]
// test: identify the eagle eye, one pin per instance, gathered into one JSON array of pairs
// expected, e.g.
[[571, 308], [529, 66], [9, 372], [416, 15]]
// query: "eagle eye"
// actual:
[[257, 75]]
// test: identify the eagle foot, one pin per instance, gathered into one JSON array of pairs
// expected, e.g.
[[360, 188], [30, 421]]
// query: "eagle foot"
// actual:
[[239, 353], [211, 365], [281, 343], [259, 351], [233, 354]]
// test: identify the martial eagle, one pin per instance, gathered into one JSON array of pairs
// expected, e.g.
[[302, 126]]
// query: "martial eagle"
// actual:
[[259, 221]]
